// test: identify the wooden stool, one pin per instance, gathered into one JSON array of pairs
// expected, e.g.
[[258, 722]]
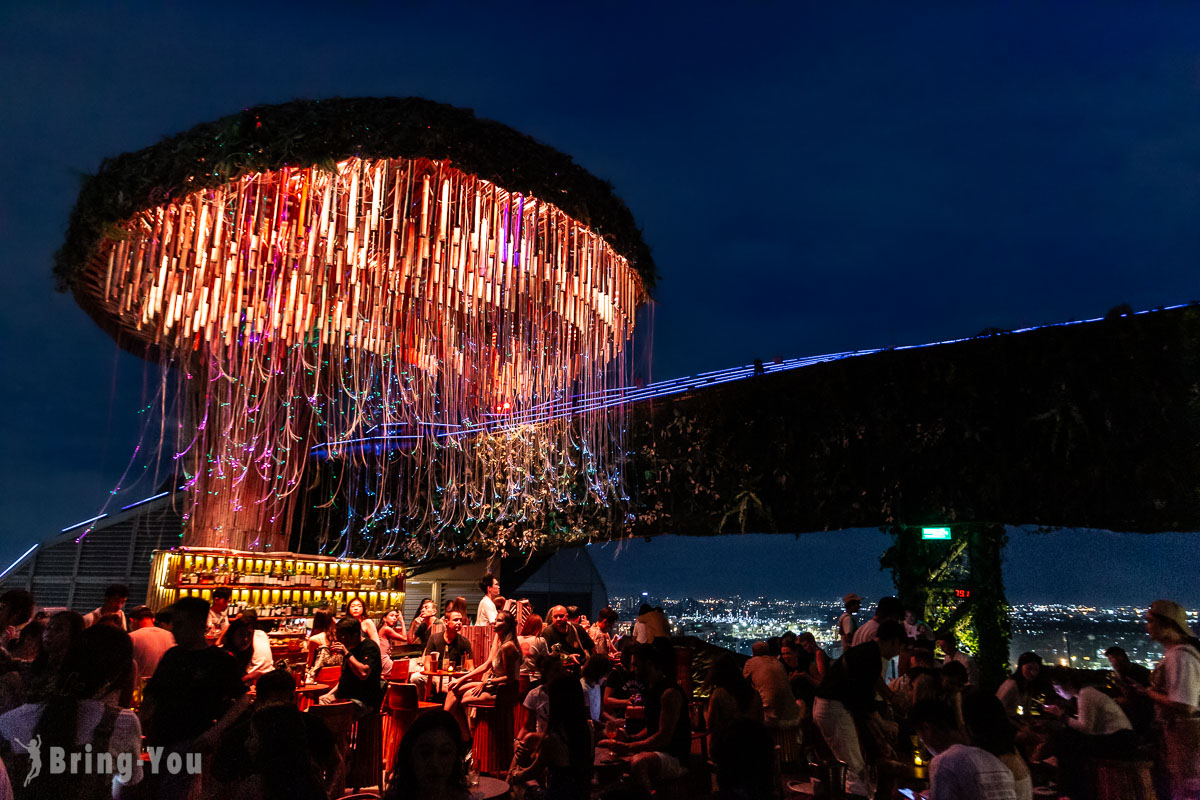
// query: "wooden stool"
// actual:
[[1124, 780], [492, 740], [401, 709], [520, 712], [339, 718], [366, 752], [787, 740]]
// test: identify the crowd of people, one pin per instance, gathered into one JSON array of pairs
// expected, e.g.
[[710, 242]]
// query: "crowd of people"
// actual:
[[902, 697], [899, 698]]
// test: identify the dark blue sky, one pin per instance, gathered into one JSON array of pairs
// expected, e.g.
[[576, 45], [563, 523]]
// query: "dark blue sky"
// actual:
[[812, 177]]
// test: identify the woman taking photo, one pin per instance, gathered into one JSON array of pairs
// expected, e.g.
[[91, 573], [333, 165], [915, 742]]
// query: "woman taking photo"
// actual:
[[422, 624], [494, 679]]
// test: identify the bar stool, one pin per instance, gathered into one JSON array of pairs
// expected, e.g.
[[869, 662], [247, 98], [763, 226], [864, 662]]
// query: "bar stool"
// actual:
[[492, 740], [339, 718], [520, 712], [402, 707], [366, 752], [787, 740]]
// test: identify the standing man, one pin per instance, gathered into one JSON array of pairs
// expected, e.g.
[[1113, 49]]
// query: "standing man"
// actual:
[[218, 614], [888, 609], [847, 622], [601, 634], [847, 701], [149, 642], [194, 695], [949, 646], [563, 638], [114, 603], [490, 586], [769, 678]]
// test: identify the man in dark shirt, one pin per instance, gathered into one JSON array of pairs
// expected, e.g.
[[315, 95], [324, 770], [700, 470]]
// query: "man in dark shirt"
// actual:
[[1131, 678], [622, 683], [847, 696], [362, 668], [563, 638], [448, 644], [660, 753], [194, 695]]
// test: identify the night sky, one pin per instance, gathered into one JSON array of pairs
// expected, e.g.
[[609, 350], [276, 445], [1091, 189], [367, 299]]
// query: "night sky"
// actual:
[[811, 178]]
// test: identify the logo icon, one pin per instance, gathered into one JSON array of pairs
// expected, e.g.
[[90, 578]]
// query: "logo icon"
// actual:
[[34, 748]]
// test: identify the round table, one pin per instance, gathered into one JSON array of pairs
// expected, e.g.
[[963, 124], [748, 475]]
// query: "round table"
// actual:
[[307, 694], [489, 789], [441, 674]]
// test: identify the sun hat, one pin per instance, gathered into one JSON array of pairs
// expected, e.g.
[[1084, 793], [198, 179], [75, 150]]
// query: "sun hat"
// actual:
[[851, 598], [1173, 613]]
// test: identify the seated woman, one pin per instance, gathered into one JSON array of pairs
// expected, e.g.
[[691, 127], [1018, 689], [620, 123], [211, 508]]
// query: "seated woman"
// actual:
[[320, 646], [391, 635], [495, 679], [563, 761], [732, 698], [429, 761], [1014, 692], [988, 728], [239, 643]]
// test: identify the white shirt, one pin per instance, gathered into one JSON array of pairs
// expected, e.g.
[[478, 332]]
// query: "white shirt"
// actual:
[[847, 625], [538, 703], [260, 660], [217, 623], [486, 615], [1098, 713], [1180, 672], [593, 696], [865, 633], [92, 618], [969, 773], [149, 644], [20, 723]]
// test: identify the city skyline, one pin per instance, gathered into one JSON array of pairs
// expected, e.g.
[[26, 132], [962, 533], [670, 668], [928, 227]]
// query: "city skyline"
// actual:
[[848, 561]]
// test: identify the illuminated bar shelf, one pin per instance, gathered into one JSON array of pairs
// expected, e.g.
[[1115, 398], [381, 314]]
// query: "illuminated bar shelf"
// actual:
[[278, 585]]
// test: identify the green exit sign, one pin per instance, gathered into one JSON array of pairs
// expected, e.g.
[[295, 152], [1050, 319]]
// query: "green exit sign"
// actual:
[[935, 533]]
